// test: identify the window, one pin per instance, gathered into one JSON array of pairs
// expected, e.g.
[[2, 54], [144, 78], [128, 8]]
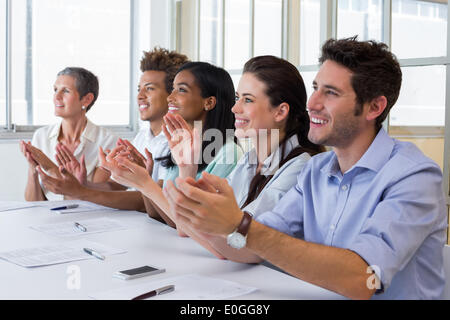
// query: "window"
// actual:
[[419, 28], [103, 36], [360, 17], [237, 33], [309, 32], [233, 31], [419, 40], [268, 27], [422, 98], [210, 23], [3, 64], [91, 34], [416, 31]]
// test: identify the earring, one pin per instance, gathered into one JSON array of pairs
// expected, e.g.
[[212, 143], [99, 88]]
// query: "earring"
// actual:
[[83, 108]]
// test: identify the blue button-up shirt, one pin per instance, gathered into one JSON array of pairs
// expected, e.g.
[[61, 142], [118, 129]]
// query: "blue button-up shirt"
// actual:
[[389, 208]]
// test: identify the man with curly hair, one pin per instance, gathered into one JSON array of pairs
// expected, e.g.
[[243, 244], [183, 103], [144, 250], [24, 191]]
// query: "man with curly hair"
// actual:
[[159, 68]]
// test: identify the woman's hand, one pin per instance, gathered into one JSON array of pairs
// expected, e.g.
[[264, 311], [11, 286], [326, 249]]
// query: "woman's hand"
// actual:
[[184, 143], [67, 160], [33, 164], [39, 158]]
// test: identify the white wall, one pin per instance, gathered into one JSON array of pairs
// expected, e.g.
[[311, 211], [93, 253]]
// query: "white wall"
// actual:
[[13, 172]]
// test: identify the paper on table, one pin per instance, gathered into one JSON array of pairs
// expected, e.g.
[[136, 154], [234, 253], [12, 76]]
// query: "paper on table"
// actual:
[[17, 205], [187, 287], [67, 229], [83, 206], [56, 253]]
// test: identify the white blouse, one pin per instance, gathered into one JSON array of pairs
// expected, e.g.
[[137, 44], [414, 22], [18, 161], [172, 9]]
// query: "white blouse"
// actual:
[[91, 139]]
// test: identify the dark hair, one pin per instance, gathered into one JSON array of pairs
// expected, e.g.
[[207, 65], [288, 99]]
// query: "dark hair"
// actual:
[[376, 71], [284, 84], [162, 60], [85, 82], [213, 82]]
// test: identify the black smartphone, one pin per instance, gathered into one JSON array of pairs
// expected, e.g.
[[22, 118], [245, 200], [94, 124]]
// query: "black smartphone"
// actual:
[[138, 272]]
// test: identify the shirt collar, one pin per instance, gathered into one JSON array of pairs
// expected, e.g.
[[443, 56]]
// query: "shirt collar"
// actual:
[[89, 133], [378, 153], [272, 163], [55, 130], [373, 159]]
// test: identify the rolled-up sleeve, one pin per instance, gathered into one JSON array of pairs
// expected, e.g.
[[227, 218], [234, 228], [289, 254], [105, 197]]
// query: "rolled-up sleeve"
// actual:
[[411, 210]]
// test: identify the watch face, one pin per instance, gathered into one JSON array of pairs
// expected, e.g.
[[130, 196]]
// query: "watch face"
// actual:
[[236, 240]]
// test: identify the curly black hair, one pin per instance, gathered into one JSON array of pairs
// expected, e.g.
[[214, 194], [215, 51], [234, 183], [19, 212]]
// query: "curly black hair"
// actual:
[[160, 59]]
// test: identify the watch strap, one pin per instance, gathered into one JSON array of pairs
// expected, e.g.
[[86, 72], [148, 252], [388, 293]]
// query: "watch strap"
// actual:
[[244, 226]]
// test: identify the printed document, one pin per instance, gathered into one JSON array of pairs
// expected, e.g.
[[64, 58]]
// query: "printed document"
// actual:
[[56, 253], [68, 229], [187, 287]]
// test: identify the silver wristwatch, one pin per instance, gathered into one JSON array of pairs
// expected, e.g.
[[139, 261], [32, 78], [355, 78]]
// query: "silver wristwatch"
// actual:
[[238, 238]]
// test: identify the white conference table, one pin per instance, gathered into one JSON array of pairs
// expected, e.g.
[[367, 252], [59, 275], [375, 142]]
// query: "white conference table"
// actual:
[[146, 242]]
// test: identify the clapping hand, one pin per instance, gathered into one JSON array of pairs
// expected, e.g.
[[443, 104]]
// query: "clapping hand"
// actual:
[[136, 157], [67, 160], [36, 158], [122, 169], [184, 143]]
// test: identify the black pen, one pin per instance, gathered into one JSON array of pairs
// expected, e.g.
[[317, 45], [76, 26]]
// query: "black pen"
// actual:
[[72, 206], [155, 292]]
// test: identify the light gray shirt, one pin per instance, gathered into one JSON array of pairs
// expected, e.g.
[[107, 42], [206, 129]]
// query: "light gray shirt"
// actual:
[[283, 179]]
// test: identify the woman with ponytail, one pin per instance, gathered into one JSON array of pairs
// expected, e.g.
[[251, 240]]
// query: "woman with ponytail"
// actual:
[[271, 110]]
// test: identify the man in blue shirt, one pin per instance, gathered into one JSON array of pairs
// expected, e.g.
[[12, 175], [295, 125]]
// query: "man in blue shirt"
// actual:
[[366, 220]]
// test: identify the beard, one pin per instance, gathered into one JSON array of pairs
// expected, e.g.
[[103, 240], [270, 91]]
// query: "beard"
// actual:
[[344, 129]]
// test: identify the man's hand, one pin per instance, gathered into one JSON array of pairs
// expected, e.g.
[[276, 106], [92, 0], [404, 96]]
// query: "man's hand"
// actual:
[[214, 211], [66, 185], [123, 170]]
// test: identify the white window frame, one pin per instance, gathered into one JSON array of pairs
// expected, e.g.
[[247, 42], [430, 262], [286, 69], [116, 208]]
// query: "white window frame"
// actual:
[[11, 131], [291, 52]]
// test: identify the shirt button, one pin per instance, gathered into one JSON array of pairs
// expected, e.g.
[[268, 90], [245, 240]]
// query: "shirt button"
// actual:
[[344, 187], [332, 227]]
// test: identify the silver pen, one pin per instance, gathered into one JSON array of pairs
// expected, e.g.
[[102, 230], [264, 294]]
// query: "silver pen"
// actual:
[[155, 292], [80, 227], [94, 253]]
